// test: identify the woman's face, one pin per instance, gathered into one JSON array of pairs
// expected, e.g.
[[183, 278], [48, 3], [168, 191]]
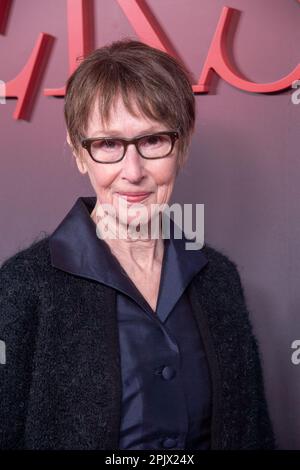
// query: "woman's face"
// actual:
[[133, 174]]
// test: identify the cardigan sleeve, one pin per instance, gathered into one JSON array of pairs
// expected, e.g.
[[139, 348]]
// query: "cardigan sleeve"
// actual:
[[259, 431], [241, 416], [17, 328]]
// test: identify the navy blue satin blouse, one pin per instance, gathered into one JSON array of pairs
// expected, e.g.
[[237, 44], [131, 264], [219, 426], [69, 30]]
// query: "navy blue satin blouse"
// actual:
[[166, 388]]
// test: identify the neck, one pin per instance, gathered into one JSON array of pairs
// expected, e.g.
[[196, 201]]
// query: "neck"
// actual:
[[142, 253]]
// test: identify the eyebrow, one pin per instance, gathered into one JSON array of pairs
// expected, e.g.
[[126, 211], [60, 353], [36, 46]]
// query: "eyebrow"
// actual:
[[116, 133]]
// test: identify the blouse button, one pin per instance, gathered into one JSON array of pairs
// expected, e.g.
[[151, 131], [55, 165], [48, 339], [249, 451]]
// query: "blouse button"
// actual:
[[168, 372], [168, 443]]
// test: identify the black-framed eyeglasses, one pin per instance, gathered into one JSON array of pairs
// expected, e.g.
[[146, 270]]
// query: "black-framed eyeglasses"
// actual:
[[113, 149]]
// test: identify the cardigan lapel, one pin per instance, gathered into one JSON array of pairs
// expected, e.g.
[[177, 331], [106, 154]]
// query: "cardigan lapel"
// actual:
[[77, 353], [75, 396], [201, 316]]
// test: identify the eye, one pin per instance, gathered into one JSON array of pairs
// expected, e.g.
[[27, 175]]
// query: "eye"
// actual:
[[107, 144], [153, 140]]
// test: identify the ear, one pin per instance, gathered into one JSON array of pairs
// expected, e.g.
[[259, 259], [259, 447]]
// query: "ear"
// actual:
[[81, 165]]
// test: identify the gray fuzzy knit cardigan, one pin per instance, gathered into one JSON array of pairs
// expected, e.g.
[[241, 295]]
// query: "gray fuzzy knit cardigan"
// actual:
[[60, 386]]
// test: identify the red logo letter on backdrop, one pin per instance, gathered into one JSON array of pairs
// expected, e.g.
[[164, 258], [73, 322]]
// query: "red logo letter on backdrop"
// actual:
[[25, 85], [145, 25], [80, 37], [217, 60], [4, 9]]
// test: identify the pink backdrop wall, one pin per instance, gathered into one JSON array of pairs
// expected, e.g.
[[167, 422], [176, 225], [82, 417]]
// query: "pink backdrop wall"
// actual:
[[244, 163]]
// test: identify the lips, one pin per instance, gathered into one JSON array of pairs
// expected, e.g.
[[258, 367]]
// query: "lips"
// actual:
[[134, 197]]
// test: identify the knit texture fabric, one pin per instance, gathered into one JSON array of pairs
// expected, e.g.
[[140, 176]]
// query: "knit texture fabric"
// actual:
[[60, 386]]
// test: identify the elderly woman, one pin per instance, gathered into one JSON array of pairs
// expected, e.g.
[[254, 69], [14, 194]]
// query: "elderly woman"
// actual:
[[127, 342]]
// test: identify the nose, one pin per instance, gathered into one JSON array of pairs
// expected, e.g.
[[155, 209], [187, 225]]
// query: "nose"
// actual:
[[133, 165]]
